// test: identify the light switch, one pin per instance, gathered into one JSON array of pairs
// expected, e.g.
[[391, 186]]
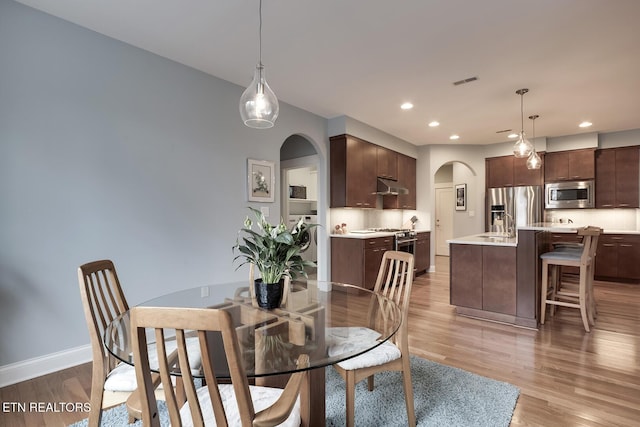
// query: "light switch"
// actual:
[[472, 213], [265, 211]]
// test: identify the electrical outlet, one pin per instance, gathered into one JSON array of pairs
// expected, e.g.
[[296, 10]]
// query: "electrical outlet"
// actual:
[[265, 211]]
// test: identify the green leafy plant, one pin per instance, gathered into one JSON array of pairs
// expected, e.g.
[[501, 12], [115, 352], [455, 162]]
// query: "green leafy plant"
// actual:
[[274, 249]]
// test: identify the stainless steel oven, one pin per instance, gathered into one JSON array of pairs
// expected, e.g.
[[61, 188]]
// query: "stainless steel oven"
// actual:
[[405, 241]]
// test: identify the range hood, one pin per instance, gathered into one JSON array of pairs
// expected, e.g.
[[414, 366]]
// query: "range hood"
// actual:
[[389, 187]]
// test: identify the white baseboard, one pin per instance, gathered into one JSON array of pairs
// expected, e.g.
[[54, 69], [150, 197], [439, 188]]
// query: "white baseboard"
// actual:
[[32, 368]]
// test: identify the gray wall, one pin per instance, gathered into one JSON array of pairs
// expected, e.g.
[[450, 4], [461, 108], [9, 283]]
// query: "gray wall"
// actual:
[[108, 151]]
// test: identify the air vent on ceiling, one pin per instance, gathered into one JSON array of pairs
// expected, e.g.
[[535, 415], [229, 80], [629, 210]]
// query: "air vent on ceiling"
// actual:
[[503, 131], [464, 81]]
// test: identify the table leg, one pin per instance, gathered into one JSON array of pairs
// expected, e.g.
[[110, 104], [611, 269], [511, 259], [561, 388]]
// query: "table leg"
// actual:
[[312, 399]]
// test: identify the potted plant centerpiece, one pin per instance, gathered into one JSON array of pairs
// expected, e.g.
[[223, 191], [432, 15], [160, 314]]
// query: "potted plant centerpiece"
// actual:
[[275, 251]]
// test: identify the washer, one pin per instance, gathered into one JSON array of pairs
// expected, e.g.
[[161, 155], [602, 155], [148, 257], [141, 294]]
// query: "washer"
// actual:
[[311, 254]]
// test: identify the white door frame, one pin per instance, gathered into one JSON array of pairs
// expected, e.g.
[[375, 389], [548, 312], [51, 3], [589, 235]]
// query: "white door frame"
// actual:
[[443, 217]]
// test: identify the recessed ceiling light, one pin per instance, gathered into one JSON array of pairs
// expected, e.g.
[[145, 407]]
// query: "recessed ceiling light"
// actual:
[[454, 137], [407, 106], [513, 135], [434, 124], [585, 124]]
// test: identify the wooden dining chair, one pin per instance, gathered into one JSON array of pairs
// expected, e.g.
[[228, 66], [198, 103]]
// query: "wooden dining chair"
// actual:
[[237, 403], [394, 281], [103, 301]]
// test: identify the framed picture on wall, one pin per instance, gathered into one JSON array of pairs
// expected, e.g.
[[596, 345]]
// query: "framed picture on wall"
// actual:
[[261, 180], [461, 197]]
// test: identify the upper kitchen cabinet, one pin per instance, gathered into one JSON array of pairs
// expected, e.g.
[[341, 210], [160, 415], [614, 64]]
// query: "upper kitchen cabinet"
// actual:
[[387, 163], [353, 172], [570, 165], [525, 176], [510, 171], [407, 178], [618, 177]]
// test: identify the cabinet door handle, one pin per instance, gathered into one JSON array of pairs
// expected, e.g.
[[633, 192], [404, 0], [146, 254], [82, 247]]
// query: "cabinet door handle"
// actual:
[[608, 244], [626, 245]]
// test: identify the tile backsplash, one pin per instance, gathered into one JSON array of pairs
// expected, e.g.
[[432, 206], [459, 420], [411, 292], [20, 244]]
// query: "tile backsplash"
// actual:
[[608, 219]]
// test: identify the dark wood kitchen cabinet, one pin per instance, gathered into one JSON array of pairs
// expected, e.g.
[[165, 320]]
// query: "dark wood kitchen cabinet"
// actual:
[[509, 171], [406, 177], [618, 177], [357, 261], [353, 172], [387, 163], [483, 278], [499, 171], [570, 165], [618, 257], [423, 252]]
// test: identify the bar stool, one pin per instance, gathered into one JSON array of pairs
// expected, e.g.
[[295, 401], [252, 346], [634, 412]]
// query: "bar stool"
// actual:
[[559, 293]]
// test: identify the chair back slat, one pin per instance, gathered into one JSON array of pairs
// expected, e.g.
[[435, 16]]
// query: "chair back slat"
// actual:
[[103, 301], [590, 241], [395, 280], [185, 321]]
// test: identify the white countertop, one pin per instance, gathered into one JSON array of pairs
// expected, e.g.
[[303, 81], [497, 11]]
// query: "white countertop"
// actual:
[[556, 227], [485, 239], [367, 234]]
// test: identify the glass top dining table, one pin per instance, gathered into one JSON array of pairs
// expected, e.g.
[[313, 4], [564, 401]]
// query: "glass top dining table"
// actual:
[[328, 321]]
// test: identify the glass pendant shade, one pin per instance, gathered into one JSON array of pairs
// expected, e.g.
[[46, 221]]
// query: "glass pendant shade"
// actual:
[[522, 148], [534, 161], [259, 106]]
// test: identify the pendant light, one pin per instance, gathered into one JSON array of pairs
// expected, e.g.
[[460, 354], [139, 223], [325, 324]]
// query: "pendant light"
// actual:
[[258, 104], [534, 161], [522, 148]]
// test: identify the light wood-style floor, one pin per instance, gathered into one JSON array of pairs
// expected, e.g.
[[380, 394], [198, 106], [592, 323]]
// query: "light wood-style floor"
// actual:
[[567, 377]]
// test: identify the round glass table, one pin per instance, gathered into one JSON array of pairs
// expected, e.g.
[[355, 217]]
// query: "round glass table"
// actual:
[[328, 326]]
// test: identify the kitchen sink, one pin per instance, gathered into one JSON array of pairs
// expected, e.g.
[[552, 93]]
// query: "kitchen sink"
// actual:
[[495, 236]]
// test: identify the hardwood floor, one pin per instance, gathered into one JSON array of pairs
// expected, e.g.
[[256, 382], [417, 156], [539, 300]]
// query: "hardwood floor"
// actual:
[[567, 377]]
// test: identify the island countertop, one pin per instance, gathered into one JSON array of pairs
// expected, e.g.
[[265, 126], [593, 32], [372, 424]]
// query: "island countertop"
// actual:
[[485, 239]]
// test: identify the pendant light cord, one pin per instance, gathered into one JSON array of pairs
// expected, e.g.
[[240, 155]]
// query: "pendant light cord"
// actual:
[[533, 120], [521, 113], [260, 35]]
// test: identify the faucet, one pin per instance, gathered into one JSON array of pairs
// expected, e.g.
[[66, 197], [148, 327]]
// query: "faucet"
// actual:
[[511, 232]]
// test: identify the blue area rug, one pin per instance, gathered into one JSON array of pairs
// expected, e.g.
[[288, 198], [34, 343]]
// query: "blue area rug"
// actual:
[[444, 396]]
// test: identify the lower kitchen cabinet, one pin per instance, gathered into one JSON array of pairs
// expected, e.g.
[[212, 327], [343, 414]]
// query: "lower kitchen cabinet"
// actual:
[[423, 252], [617, 257], [483, 278], [357, 261]]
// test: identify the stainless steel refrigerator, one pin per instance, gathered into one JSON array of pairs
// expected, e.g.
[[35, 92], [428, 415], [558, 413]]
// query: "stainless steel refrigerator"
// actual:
[[510, 207]]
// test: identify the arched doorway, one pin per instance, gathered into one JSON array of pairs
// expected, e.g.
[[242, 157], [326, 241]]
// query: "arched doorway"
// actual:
[[300, 184], [449, 222]]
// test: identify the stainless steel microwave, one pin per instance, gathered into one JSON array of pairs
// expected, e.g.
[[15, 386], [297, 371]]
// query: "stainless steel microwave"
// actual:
[[569, 195]]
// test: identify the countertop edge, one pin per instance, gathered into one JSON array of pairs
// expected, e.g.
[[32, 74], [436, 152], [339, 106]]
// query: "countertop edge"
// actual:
[[371, 235]]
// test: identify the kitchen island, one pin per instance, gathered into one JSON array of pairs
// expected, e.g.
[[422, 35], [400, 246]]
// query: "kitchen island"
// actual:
[[497, 277]]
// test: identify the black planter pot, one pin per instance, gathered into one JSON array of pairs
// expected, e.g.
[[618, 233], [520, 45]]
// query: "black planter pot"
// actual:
[[269, 295]]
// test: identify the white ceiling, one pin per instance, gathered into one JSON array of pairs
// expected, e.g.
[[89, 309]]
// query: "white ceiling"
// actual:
[[580, 59]]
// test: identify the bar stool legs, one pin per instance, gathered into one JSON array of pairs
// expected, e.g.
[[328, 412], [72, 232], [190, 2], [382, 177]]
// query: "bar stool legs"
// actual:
[[556, 292]]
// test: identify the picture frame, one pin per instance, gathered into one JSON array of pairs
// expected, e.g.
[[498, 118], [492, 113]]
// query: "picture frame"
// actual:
[[261, 180], [461, 197]]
